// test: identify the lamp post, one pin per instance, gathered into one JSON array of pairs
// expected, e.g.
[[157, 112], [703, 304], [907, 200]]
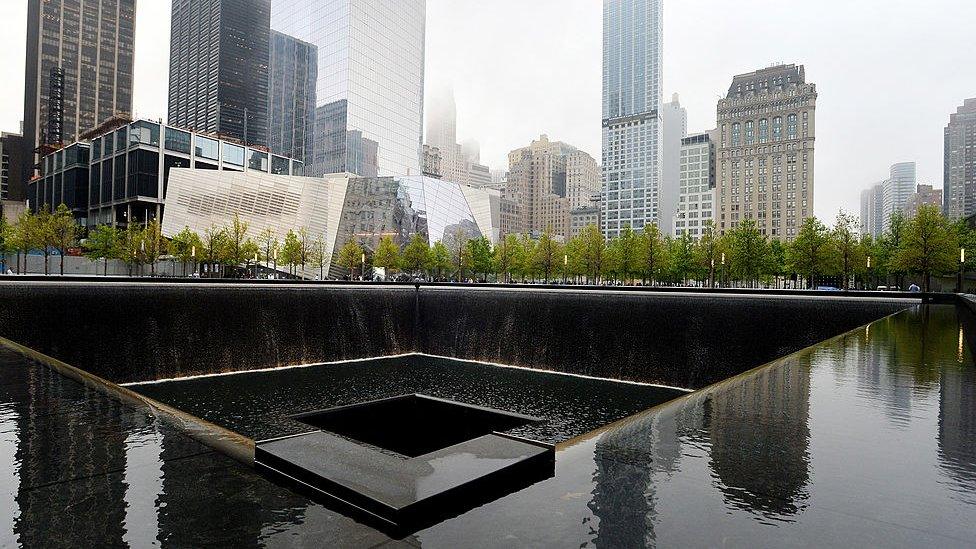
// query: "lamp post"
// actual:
[[962, 265], [711, 274], [276, 263], [193, 259], [255, 265], [565, 268], [869, 272], [362, 274], [723, 270]]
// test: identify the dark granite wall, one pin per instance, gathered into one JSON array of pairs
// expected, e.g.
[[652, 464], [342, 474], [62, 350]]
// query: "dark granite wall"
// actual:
[[138, 332]]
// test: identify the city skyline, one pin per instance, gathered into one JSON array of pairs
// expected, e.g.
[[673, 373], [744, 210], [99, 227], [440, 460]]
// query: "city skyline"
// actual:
[[502, 105]]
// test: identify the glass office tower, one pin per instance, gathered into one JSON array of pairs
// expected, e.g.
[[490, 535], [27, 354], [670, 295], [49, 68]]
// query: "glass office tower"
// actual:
[[370, 91], [631, 113], [218, 68], [294, 73], [86, 49]]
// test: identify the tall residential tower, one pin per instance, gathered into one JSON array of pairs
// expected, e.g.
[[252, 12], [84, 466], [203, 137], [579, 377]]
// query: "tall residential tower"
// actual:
[[370, 92], [81, 50], [218, 67], [959, 171], [632, 43], [765, 151]]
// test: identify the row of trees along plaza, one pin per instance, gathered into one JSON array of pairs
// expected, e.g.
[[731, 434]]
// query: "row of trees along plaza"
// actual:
[[912, 250]]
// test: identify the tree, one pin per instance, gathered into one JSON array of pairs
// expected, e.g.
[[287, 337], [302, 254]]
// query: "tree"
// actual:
[[214, 244], [236, 237], [416, 256], [651, 252], [709, 251], [63, 231], [154, 245], [351, 256], [526, 264], [269, 244], [185, 245], [625, 254], [929, 246], [810, 252], [130, 246], [891, 242], [747, 252], [776, 263], [27, 236], [7, 241], [547, 255], [681, 253], [253, 253], [457, 243], [847, 246], [479, 249], [319, 256], [44, 236], [593, 252], [291, 251], [304, 247], [505, 256], [440, 258], [387, 254]]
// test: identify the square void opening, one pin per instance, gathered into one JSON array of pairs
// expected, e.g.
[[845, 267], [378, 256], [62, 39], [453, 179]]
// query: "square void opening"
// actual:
[[413, 425]]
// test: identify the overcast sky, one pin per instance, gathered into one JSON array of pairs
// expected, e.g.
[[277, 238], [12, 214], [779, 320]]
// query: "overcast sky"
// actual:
[[888, 72]]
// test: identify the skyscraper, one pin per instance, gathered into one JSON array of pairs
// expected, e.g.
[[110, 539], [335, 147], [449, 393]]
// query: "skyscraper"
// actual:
[[218, 67], [84, 48], [674, 121], [370, 81], [959, 171], [631, 113], [896, 191], [872, 210], [294, 72], [696, 199], [764, 155], [537, 182]]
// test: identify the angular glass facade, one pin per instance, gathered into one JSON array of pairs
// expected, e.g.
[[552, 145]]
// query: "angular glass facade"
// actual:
[[294, 74], [631, 113], [370, 89], [336, 209]]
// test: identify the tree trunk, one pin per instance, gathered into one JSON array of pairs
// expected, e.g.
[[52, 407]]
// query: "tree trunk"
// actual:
[[62, 262], [105, 269]]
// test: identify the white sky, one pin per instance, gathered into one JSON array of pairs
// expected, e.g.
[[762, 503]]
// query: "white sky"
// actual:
[[888, 72]]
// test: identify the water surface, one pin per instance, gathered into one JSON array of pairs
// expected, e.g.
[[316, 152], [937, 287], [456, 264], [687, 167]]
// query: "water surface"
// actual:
[[257, 404]]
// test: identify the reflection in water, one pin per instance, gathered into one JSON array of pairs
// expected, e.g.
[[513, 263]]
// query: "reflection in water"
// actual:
[[9, 474], [957, 428], [143, 478], [760, 440]]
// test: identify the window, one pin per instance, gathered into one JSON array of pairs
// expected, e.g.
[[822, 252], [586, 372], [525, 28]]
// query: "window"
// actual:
[[750, 133], [145, 133], [763, 130], [736, 131], [791, 126], [233, 154], [96, 149], [177, 141], [120, 143], [143, 174], [777, 128], [107, 142], [206, 148], [257, 161], [170, 162]]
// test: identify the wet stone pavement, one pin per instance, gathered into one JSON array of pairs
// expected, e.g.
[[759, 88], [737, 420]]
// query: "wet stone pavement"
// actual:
[[78, 469]]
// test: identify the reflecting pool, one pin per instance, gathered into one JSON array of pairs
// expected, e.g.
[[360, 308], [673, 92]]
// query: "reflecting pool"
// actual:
[[257, 404]]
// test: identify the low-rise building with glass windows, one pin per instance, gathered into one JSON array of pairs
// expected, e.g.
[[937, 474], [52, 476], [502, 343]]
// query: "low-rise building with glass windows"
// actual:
[[63, 180], [128, 165], [336, 209]]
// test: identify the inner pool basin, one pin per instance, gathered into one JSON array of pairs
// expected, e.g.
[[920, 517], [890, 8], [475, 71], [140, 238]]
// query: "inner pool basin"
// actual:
[[190, 414]]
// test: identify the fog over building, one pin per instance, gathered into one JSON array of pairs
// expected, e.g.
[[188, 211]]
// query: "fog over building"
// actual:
[[370, 89], [765, 151], [896, 190], [872, 210], [460, 162], [632, 40]]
